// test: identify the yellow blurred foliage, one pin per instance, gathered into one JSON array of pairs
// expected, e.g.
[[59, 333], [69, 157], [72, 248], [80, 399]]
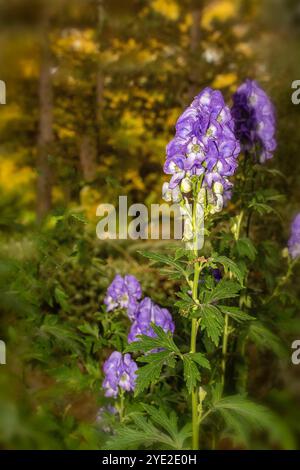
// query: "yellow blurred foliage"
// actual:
[[136, 181], [29, 68], [167, 8], [221, 10], [145, 56], [14, 179], [132, 124], [9, 112], [89, 201], [186, 23], [225, 80], [64, 133], [76, 40]]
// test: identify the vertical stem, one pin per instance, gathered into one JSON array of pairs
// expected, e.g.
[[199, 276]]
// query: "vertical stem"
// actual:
[[224, 350], [194, 330]]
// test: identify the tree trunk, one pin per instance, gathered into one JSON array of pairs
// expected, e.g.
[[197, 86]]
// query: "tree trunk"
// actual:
[[45, 135], [87, 155], [99, 76]]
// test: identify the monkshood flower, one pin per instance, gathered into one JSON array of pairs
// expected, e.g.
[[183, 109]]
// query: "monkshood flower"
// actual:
[[120, 373], [294, 241], [123, 293], [255, 123], [205, 147], [148, 312]]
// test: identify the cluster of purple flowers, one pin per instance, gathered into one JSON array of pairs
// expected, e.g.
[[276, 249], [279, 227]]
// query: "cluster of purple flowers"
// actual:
[[204, 146], [294, 241], [148, 312], [120, 371], [123, 293], [254, 118]]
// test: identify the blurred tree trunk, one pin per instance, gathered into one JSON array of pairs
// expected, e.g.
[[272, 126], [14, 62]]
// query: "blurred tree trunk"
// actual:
[[99, 77], [87, 155], [45, 135], [99, 96], [90, 143]]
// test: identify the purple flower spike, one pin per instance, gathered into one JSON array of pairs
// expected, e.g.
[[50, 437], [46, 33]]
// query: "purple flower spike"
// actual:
[[204, 143], [148, 312], [123, 293], [120, 372], [294, 241], [254, 118]]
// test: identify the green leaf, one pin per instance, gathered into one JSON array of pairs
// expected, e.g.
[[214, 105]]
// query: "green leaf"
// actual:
[[151, 372], [146, 343], [229, 266], [186, 301], [63, 336], [164, 259], [245, 248], [191, 373], [225, 289], [235, 313], [78, 216], [62, 299], [264, 338], [142, 433], [89, 329], [169, 423], [243, 415], [160, 417], [212, 321], [200, 359], [159, 431]]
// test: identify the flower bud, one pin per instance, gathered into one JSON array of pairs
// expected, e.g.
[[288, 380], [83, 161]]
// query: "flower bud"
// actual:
[[218, 188], [186, 185], [166, 192], [176, 194]]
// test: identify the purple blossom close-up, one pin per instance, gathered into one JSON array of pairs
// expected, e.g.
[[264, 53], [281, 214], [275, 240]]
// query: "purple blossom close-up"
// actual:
[[123, 293], [148, 312], [255, 123], [204, 143], [294, 241], [120, 373]]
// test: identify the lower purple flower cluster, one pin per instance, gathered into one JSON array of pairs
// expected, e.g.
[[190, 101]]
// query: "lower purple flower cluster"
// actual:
[[148, 312], [120, 371], [294, 241], [123, 293]]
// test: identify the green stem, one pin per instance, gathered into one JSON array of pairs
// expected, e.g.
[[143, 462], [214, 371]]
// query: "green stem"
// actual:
[[194, 330], [224, 350]]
